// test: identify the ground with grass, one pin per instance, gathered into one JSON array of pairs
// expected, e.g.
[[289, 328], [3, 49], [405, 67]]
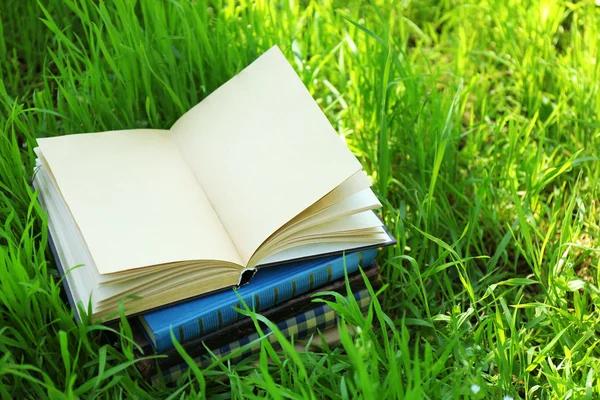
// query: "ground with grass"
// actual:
[[479, 123]]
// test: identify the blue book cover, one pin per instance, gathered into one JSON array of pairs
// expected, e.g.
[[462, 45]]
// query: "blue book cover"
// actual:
[[299, 326], [269, 286]]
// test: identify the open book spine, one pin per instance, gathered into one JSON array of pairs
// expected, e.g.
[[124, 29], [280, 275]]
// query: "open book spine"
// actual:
[[299, 326], [260, 299]]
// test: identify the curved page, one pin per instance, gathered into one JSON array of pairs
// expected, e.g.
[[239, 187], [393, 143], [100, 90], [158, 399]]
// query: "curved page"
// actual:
[[262, 150], [135, 200]]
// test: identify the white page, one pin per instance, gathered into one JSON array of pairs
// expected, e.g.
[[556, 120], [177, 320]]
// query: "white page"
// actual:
[[135, 200], [355, 222], [358, 202], [355, 184], [60, 236], [262, 150], [314, 249]]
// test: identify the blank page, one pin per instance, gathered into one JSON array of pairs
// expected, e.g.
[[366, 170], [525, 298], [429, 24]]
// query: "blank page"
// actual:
[[135, 200], [262, 150]]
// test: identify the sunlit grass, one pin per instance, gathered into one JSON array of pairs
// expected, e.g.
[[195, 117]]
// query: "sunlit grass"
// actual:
[[479, 122]]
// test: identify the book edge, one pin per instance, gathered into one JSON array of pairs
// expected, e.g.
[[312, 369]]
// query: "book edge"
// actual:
[[162, 335]]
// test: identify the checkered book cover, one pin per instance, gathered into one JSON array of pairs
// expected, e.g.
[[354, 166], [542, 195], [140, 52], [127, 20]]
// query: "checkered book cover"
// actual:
[[300, 326], [269, 287]]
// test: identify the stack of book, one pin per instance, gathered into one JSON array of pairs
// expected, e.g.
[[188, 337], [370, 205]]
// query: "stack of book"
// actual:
[[283, 294], [252, 189]]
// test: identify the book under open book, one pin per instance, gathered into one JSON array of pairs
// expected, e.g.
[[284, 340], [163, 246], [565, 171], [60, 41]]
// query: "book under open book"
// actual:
[[251, 176]]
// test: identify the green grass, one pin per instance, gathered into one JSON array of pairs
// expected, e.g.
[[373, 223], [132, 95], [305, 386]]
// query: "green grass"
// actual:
[[479, 122]]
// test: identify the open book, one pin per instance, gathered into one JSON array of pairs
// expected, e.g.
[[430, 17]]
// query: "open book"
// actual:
[[253, 175]]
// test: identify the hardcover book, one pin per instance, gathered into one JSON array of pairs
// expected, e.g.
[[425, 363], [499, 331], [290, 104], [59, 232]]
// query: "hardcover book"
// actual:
[[302, 325], [269, 287], [251, 176], [245, 326]]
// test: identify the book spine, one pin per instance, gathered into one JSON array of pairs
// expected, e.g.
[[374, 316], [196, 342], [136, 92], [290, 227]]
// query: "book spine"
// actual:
[[244, 327], [300, 326], [264, 298]]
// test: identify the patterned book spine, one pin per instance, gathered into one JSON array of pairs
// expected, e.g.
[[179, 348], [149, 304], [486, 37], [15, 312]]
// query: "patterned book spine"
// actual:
[[263, 298], [300, 326]]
